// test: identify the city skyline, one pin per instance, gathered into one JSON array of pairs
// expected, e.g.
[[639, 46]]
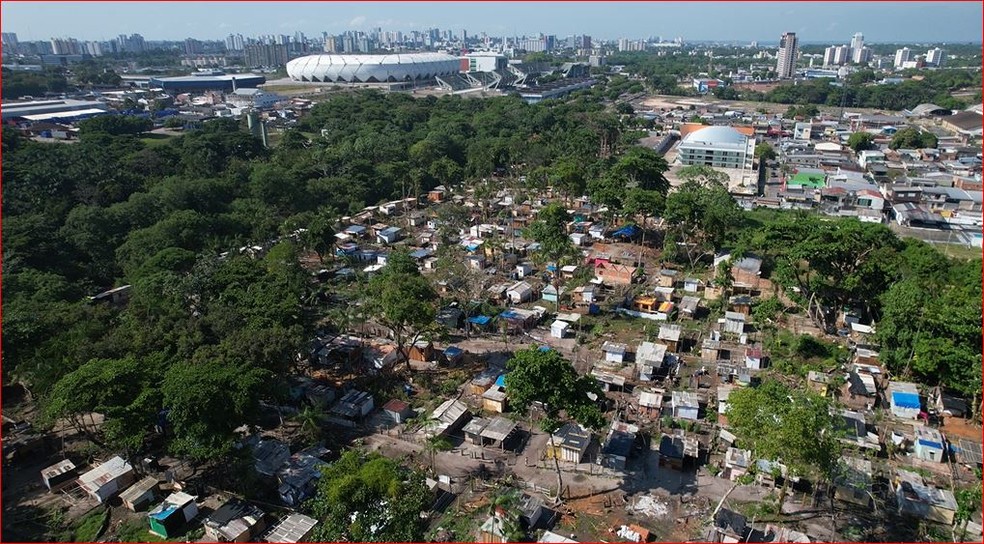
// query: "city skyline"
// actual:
[[761, 21]]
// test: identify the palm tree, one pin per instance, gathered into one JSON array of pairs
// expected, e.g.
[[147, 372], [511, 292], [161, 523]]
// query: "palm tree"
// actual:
[[310, 423]]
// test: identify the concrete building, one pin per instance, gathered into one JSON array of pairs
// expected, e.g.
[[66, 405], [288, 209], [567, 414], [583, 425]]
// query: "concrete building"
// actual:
[[935, 57], [786, 57], [720, 147], [902, 56]]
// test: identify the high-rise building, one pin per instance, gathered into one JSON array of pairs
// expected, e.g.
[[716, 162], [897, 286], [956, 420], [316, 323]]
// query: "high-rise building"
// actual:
[[902, 56], [94, 48], [9, 42], [788, 48], [857, 43], [842, 55], [269, 55], [193, 46], [862, 56], [134, 43], [935, 57], [829, 55]]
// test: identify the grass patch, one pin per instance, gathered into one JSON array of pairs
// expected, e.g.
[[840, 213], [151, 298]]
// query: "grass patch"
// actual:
[[155, 139], [91, 525], [136, 531], [959, 251]]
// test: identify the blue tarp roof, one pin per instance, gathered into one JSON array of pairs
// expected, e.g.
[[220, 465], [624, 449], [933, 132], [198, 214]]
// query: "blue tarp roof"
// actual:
[[472, 247], [626, 231], [165, 513], [453, 351], [545, 348], [509, 314], [480, 319], [501, 381], [905, 400], [930, 443]]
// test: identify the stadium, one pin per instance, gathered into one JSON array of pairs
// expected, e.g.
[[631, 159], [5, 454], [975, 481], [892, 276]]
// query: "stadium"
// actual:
[[372, 68]]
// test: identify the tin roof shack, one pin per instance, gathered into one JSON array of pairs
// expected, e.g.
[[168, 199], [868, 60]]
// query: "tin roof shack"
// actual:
[[298, 478], [397, 410], [107, 479], [667, 278], [570, 442], [532, 513], [520, 292], [650, 357], [670, 335], [729, 527], [59, 474], [967, 452], [489, 432], [554, 538], [723, 393], [676, 450], [650, 403], [169, 518], [737, 462], [614, 353], [852, 481], [929, 445], [688, 306], [903, 397], [614, 274], [745, 272], [354, 405], [608, 380], [853, 429], [921, 501], [733, 322], [495, 399], [685, 405], [618, 445], [141, 494], [291, 529], [269, 454], [754, 359], [234, 521], [447, 418]]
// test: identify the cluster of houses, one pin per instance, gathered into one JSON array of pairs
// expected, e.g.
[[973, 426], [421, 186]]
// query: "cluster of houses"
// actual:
[[171, 512]]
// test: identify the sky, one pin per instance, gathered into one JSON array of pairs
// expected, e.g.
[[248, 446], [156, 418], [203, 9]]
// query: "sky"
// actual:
[[694, 21]]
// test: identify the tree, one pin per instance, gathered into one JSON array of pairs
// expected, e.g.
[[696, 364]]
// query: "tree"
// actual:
[[790, 426], [115, 125], [702, 213], [912, 138], [765, 152], [542, 375], [860, 141], [404, 301], [207, 399], [550, 231], [369, 498]]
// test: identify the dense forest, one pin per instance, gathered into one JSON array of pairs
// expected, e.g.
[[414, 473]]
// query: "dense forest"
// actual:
[[210, 332]]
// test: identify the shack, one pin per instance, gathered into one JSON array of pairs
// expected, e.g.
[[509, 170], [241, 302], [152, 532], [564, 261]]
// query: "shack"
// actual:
[[139, 495], [234, 521], [108, 479], [169, 518]]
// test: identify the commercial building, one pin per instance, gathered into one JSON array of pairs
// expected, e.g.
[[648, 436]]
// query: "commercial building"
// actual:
[[372, 68], [720, 147], [57, 108], [788, 49], [207, 81]]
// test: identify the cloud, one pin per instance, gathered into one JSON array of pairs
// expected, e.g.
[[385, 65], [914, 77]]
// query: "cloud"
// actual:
[[224, 25], [358, 21]]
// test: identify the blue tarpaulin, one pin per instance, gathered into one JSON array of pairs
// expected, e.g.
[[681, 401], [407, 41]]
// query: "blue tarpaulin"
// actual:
[[906, 400], [452, 351], [480, 319], [930, 443], [545, 348], [501, 381], [627, 231], [509, 314]]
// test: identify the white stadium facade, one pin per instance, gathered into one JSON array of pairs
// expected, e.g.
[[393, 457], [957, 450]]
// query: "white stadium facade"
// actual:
[[373, 68]]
